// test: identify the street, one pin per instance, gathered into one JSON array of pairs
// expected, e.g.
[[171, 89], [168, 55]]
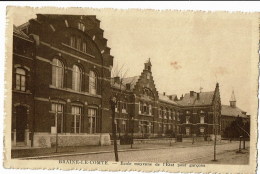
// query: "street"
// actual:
[[171, 154]]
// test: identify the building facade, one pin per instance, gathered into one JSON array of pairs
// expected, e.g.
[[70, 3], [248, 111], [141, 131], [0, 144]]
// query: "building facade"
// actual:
[[230, 114], [62, 87], [154, 115]]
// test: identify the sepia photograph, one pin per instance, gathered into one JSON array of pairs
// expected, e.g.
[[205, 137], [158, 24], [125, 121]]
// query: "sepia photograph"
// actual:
[[131, 90]]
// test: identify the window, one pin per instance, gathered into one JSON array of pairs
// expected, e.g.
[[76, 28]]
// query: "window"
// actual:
[[73, 41], [84, 47], [140, 126], [187, 119], [78, 43], [140, 107], [160, 127], [150, 109], [57, 109], [169, 127], [202, 130], [57, 73], [202, 119], [144, 108], [92, 83], [165, 113], [81, 26], [117, 125], [76, 78], [76, 122], [187, 131], [124, 125], [148, 76], [124, 108], [149, 127], [160, 112], [92, 115], [20, 77], [164, 128]]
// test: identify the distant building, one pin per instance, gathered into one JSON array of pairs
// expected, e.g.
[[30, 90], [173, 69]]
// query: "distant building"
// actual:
[[155, 114], [229, 114]]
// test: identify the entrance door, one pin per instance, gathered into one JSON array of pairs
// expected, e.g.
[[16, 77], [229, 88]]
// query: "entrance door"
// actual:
[[21, 120]]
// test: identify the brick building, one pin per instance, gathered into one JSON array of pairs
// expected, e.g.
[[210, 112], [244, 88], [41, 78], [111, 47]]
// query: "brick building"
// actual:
[[230, 113], [62, 86], [142, 108]]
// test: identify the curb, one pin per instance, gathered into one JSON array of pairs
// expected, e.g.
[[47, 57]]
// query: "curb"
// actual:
[[99, 152]]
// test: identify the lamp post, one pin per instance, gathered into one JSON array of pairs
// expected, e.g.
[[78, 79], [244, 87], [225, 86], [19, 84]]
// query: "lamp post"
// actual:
[[113, 103], [132, 131], [56, 120]]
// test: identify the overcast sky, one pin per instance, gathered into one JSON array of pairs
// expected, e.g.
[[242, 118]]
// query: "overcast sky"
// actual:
[[187, 50]]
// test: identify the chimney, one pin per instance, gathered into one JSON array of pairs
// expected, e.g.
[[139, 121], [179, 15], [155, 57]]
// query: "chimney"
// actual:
[[191, 93], [170, 97], [198, 96], [181, 97], [164, 93], [117, 79]]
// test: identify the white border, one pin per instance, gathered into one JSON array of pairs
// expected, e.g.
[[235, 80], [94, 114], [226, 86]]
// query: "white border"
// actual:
[[204, 6]]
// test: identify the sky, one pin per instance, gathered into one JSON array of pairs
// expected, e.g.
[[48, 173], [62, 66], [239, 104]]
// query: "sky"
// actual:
[[188, 50]]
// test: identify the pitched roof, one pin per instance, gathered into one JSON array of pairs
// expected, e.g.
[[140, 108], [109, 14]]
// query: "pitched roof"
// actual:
[[205, 98], [232, 111], [129, 80], [165, 98], [20, 33]]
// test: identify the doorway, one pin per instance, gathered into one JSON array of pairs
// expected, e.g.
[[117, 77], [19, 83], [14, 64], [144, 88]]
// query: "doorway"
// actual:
[[21, 121]]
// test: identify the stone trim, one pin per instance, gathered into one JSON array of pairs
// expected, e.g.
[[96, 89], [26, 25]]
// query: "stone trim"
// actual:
[[72, 55]]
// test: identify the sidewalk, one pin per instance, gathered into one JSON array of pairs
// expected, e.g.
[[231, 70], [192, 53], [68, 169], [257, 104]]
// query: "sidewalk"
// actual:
[[227, 157], [45, 152]]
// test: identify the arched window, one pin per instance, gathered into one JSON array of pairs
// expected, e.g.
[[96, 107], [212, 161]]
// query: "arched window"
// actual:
[[20, 79], [57, 73], [150, 110], [92, 82], [76, 78]]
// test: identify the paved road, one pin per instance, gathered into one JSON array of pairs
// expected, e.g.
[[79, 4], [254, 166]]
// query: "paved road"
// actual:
[[172, 154]]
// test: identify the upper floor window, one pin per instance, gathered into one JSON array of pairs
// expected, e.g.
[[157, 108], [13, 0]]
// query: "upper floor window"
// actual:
[[124, 108], [140, 107], [73, 41], [76, 78], [78, 45], [92, 82], [187, 119], [81, 26], [202, 119], [20, 79], [57, 73], [160, 112], [150, 109], [84, 47], [145, 108]]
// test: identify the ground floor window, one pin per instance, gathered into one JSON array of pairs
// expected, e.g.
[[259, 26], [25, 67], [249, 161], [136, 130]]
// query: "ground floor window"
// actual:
[[124, 125], [57, 110], [76, 122], [160, 127], [164, 128], [187, 131], [92, 115], [202, 130]]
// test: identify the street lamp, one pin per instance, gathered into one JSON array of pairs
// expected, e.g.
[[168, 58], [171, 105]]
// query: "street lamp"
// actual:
[[113, 102]]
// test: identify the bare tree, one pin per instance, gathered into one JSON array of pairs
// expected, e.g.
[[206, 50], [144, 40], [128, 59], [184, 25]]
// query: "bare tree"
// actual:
[[123, 87]]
